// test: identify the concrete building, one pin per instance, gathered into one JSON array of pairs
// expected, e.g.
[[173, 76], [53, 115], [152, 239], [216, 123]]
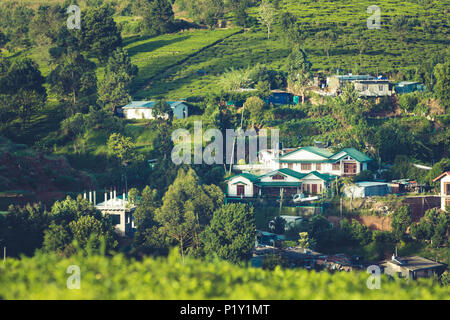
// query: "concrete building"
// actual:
[[412, 267], [367, 189], [445, 189], [144, 109], [373, 88], [366, 85], [118, 208], [408, 87]]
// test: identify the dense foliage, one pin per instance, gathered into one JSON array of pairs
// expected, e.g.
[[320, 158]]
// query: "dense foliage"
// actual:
[[45, 277]]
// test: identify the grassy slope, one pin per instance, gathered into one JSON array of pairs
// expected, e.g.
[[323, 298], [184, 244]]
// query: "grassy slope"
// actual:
[[45, 277], [385, 51]]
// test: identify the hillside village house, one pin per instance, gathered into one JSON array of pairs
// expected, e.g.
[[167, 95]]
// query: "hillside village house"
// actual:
[[275, 183], [366, 85], [445, 189], [307, 169], [144, 109]]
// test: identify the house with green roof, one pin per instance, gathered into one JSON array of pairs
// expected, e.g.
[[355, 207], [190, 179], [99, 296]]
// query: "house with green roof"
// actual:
[[281, 181], [346, 162]]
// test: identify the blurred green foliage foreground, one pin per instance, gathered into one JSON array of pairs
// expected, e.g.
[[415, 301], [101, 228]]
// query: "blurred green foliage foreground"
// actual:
[[117, 277]]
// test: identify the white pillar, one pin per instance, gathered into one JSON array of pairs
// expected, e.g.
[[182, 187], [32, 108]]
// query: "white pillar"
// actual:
[[124, 201], [106, 196], [95, 197], [111, 194], [90, 196], [84, 195], [115, 194]]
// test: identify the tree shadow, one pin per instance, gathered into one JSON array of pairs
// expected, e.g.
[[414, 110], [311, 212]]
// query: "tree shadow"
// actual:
[[153, 45]]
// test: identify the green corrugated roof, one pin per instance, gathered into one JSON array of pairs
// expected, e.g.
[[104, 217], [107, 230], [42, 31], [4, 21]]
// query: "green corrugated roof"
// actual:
[[320, 152], [352, 152], [246, 175], [278, 184], [323, 176], [306, 161], [357, 155], [285, 171]]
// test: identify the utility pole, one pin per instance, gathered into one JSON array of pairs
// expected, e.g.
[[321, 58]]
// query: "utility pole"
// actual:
[[341, 207]]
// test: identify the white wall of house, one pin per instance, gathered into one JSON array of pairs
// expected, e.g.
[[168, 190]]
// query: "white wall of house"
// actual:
[[444, 198], [239, 180], [138, 113], [180, 111], [309, 181], [286, 178]]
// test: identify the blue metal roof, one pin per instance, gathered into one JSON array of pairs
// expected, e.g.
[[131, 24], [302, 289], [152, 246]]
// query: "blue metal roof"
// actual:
[[149, 104]]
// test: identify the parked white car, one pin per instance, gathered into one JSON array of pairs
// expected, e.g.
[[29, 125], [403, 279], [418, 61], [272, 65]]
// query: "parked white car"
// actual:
[[300, 197]]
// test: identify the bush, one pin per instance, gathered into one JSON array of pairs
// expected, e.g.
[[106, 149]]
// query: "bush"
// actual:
[[45, 277]]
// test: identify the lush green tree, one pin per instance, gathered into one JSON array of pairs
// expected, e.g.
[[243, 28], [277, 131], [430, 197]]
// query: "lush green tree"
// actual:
[[113, 91], [255, 107], [266, 15], [442, 86], [24, 229], [122, 148], [120, 62], [187, 207], [46, 23], [22, 89], [401, 220], [158, 16], [162, 109], [74, 81], [432, 227], [299, 72], [240, 13], [437, 170], [99, 33], [231, 233], [305, 241], [56, 239], [277, 225], [78, 220]]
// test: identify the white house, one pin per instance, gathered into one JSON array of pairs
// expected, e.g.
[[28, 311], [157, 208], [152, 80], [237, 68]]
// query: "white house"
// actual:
[[445, 189], [275, 183], [346, 162], [144, 109]]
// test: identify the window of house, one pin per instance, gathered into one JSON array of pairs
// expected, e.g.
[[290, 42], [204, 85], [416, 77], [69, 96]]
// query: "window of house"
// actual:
[[380, 88], [306, 166], [447, 188], [290, 166], [277, 177], [336, 167], [365, 87], [318, 166]]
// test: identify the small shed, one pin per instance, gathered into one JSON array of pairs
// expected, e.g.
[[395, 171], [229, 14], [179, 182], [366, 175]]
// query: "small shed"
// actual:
[[280, 97], [367, 189], [408, 87]]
